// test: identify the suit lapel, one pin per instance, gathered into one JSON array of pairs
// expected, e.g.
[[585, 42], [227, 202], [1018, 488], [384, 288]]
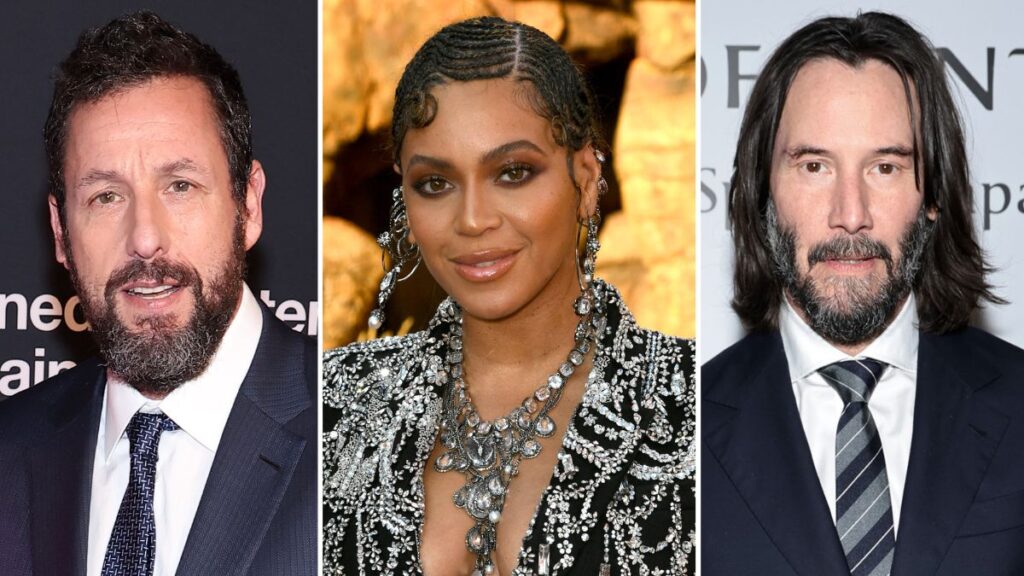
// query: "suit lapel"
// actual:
[[60, 477], [757, 437], [954, 440], [255, 460]]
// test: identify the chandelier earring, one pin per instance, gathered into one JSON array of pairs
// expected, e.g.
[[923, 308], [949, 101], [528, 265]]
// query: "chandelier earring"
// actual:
[[585, 267], [395, 245]]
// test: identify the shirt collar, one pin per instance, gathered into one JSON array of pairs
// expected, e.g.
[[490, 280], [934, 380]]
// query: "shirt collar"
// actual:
[[807, 352], [200, 407]]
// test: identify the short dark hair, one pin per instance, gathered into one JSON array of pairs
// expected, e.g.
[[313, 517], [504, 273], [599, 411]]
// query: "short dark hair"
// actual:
[[490, 47], [952, 282], [131, 51]]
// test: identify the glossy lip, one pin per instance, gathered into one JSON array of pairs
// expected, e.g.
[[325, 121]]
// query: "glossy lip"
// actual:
[[484, 265]]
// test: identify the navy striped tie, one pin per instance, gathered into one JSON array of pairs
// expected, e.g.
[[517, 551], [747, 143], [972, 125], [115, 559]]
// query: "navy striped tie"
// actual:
[[132, 547], [863, 507]]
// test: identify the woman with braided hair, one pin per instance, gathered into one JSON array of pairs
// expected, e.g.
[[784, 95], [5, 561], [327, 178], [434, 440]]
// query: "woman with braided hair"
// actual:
[[533, 427]]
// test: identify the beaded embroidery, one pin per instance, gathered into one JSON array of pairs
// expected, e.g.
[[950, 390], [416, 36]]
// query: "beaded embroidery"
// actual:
[[622, 494]]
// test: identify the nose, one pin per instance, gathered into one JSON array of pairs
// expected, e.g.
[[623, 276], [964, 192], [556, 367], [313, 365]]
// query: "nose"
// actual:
[[850, 208], [478, 211], [147, 227]]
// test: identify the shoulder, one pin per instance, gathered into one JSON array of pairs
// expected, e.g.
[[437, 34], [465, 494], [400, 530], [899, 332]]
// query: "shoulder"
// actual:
[[280, 342], [372, 359], [303, 352], [737, 361], [662, 362], [27, 414], [380, 373], [665, 363], [993, 349]]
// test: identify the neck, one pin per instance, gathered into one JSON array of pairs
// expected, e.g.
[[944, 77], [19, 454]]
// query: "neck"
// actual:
[[507, 359]]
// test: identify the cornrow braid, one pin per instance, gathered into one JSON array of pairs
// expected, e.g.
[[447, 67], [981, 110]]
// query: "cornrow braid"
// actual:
[[490, 47]]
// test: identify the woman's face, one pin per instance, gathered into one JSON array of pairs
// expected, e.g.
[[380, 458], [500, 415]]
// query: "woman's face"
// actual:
[[490, 200]]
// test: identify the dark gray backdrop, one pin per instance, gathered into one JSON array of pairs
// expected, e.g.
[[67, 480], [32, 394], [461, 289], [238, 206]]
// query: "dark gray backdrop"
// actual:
[[274, 47]]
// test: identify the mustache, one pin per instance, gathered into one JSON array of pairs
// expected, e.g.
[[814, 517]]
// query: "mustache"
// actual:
[[156, 270], [849, 248]]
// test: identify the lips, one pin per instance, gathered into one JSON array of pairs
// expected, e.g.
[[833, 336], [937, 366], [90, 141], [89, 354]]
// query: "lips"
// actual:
[[153, 289], [485, 265]]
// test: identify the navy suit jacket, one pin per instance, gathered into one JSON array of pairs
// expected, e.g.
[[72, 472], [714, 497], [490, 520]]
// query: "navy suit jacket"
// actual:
[[258, 512], [763, 511]]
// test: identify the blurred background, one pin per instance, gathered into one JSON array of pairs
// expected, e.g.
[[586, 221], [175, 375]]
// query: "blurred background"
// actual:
[[639, 57]]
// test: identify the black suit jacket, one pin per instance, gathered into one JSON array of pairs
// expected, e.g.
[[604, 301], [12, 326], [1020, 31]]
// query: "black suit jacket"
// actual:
[[258, 512], [763, 511]]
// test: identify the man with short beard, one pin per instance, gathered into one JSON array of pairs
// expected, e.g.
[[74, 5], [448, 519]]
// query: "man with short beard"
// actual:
[[188, 446], [861, 427]]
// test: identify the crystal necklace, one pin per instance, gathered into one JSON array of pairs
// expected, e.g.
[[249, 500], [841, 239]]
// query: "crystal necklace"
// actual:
[[489, 452]]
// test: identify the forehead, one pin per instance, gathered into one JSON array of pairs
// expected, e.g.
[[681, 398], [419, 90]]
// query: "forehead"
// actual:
[[478, 116], [831, 104], [150, 122]]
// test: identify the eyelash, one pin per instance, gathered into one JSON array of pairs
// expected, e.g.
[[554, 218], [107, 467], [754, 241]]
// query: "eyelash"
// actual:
[[111, 197], [527, 170], [821, 166], [178, 182], [421, 186], [504, 178]]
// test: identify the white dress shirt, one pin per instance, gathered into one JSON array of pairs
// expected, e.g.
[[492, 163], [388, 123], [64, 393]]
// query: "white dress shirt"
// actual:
[[200, 408], [891, 404]]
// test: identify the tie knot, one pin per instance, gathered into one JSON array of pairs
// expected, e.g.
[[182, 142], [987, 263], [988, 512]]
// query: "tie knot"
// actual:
[[854, 380], [144, 431]]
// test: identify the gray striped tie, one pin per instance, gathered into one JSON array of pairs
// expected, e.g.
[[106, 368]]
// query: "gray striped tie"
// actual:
[[863, 507]]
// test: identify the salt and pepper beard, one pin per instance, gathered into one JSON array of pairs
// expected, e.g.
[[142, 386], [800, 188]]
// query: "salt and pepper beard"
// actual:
[[156, 356], [845, 310]]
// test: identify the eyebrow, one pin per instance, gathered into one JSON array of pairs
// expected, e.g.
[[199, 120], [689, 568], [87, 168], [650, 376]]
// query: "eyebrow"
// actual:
[[95, 176], [509, 147], [173, 167], [435, 163], [903, 151], [487, 157], [179, 166], [801, 150]]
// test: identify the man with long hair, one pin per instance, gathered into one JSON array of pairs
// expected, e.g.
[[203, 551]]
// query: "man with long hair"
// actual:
[[187, 446], [862, 426]]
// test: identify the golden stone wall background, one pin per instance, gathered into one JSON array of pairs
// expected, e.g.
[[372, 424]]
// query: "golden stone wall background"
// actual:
[[640, 58]]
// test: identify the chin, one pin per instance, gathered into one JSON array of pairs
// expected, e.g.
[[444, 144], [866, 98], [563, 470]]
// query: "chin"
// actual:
[[488, 308]]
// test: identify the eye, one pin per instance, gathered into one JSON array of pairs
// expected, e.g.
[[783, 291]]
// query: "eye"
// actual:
[[516, 173], [181, 186], [432, 186], [887, 169], [814, 167], [106, 198]]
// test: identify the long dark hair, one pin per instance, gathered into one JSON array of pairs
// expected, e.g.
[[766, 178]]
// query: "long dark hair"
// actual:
[[952, 279], [490, 47]]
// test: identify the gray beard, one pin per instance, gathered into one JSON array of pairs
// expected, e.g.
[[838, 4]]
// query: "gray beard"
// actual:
[[848, 311], [156, 357]]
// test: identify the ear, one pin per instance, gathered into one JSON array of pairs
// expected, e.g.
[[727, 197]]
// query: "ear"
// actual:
[[932, 213], [58, 231], [254, 204], [587, 171]]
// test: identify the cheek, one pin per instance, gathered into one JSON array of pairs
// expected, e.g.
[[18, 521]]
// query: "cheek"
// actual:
[[93, 254]]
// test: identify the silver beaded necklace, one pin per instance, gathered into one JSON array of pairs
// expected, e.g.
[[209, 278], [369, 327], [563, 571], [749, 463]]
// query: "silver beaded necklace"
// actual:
[[489, 452]]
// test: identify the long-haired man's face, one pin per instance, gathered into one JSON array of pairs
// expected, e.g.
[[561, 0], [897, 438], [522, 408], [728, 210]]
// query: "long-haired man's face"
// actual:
[[153, 237], [846, 221]]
